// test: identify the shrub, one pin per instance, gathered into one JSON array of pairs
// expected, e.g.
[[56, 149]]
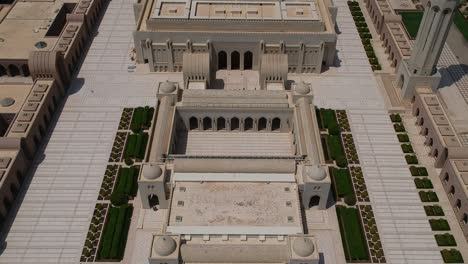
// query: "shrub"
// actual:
[[136, 145], [358, 18], [399, 127], [350, 199], [395, 118], [428, 196], [341, 161], [343, 183], [370, 54], [118, 198], [127, 181], [328, 117], [356, 7], [451, 256], [433, 210], [407, 148], [411, 159], [439, 225], [356, 13], [445, 240], [422, 171], [334, 129], [353, 3], [128, 161], [368, 47], [423, 183], [352, 234], [365, 41], [376, 67], [115, 233], [373, 61]]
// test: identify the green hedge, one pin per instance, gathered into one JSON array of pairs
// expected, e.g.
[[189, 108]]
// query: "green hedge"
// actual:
[[114, 237], [395, 118], [423, 183], [411, 159], [445, 240], [452, 256], [343, 183], [439, 225], [461, 23], [418, 171], [433, 210], [399, 127], [141, 119], [336, 150], [127, 182], [428, 197], [407, 148], [328, 118], [136, 145], [352, 234]]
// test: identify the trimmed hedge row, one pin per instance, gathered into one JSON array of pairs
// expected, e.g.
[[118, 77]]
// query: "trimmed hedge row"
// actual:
[[330, 122], [452, 256], [423, 183], [141, 119], [354, 243], [407, 148], [336, 150], [433, 210], [439, 225], [445, 240], [395, 118], [399, 127], [115, 233], [343, 183], [428, 197], [403, 138], [136, 146], [127, 182], [411, 159], [418, 171]]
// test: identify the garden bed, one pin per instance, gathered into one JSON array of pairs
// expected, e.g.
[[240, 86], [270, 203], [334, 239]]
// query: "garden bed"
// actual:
[[418, 171], [445, 240], [452, 256], [407, 148], [115, 233], [411, 159], [403, 138], [94, 232], [423, 183], [352, 234], [127, 182], [372, 234], [428, 197], [336, 150], [360, 187], [439, 225], [343, 183], [141, 119], [107, 184], [136, 146], [433, 210]]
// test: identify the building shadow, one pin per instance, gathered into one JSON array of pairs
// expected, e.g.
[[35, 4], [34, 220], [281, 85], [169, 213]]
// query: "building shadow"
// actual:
[[452, 74]]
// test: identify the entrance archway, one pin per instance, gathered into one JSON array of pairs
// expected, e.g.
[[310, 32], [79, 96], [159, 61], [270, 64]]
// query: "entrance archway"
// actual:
[[248, 123], [234, 123], [220, 123], [248, 60], [13, 70], [235, 60], [222, 60], [193, 123], [207, 123], [262, 124], [314, 201], [275, 124], [153, 200]]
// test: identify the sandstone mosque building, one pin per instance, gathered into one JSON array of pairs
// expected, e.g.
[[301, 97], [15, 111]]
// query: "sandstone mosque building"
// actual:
[[235, 165]]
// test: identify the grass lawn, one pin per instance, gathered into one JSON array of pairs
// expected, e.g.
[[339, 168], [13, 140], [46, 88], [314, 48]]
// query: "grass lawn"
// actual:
[[344, 185], [461, 23], [336, 150], [127, 182], [412, 20], [114, 238], [352, 235]]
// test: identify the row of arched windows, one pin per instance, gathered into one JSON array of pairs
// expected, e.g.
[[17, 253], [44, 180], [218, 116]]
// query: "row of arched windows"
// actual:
[[14, 70], [235, 124]]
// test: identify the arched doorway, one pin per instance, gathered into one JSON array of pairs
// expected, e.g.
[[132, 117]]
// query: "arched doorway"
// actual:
[[235, 60], [248, 123], [275, 124], [314, 201], [222, 60], [207, 125], [248, 60], [220, 123], [13, 70], [3, 71], [262, 124], [436, 153], [25, 69], [452, 190], [234, 123], [153, 200], [193, 123]]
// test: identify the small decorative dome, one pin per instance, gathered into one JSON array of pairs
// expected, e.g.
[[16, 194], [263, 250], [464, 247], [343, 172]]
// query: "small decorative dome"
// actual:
[[303, 246], [7, 101], [315, 172], [167, 87], [302, 88], [40, 44], [152, 172], [164, 245]]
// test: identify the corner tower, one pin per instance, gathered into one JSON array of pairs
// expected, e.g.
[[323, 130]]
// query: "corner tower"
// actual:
[[420, 70]]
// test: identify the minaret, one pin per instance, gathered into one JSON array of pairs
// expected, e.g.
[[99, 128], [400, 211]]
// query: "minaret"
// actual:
[[420, 70]]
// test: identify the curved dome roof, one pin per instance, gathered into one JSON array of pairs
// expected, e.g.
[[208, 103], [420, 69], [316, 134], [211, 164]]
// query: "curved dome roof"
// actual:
[[7, 101], [164, 245], [302, 88], [303, 246], [167, 87], [152, 172], [316, 172]]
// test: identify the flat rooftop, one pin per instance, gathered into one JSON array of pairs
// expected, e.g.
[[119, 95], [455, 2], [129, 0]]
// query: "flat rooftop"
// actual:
[[18, 92], [25, 25], [264, 10], [235, 208]]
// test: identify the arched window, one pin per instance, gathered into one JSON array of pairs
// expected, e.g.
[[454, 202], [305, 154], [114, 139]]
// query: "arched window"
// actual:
[[13, 70], [222, 60], [13, 189], [248, 60], [262, 124], [275, 124], [235, 60], [234, 123], [314, 201], [458, 204], [446, 178], [193, 123], [25, 69], [207, 125], [220, 123], [6, 204], [248, 123], [436, 153], [465, 219], [452, 190], [3, 71]]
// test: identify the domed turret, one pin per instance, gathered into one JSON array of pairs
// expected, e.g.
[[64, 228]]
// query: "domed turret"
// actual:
[[167, 87], [7, 101], [315, 172], [302, 88], [152, 172], [303, 246], [164, 246]]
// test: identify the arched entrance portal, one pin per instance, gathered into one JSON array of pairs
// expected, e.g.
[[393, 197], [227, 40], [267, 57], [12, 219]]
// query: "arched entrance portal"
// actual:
[[193, 123], [262, 124], [248, 123], [153, 200], [235, 60], [234, 123], [222, 60], [314, 201], [248, 60], [275, 124]]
